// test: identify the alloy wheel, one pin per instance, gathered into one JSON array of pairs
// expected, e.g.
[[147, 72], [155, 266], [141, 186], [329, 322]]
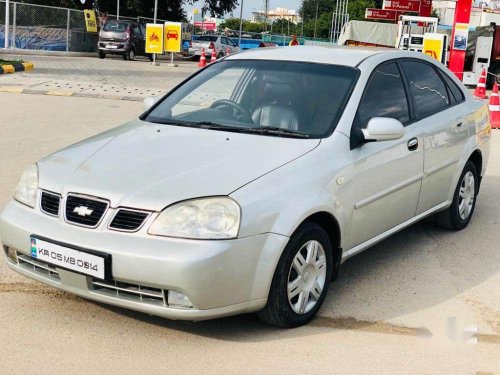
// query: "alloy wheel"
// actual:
[[466, 196], [307, 277]]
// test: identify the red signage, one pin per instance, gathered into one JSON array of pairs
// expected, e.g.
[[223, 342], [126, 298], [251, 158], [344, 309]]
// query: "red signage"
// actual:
[[381, 14], [426, 8], [206, 25], [402, 5]]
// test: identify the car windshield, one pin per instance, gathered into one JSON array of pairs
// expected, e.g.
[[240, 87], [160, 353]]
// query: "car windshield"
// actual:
[[207, 38], [116, 26], [265, 97]]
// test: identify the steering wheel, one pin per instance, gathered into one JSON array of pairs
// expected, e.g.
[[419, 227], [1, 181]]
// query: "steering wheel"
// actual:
[[244, 115]]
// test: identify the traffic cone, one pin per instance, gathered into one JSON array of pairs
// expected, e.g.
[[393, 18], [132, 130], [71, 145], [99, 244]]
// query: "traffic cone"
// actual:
[[480, 91], [203, 59], [214, 56], [228, 51], [495, 108]]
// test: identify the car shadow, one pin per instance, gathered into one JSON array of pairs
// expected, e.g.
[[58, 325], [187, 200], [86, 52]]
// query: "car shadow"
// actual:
[[417, 268]]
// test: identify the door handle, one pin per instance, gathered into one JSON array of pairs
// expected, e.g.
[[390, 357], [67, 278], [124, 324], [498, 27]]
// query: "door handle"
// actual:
[[459, 124], [413, 144]]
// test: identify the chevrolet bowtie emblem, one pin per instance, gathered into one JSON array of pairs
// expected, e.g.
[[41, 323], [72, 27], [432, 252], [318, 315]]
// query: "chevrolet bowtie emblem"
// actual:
[[83, 211]]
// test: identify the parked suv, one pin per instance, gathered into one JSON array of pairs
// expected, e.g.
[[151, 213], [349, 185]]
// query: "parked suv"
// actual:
[[127, 38]]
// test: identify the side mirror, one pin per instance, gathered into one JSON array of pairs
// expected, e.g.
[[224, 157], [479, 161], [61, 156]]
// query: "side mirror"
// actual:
[[149, 102], [383, 129]]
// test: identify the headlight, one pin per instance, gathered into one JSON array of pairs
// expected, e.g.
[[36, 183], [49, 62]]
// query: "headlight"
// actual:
[[206, 218], [27, 188]]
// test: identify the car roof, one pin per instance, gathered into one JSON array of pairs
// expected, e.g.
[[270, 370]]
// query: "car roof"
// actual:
[[337, 55]]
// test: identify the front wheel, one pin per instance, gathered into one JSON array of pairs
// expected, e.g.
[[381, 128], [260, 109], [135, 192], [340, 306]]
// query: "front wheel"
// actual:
[[101, 55], [459, 214], [301, 279]]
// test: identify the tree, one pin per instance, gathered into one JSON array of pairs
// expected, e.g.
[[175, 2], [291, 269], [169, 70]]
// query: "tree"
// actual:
[[167, 9]]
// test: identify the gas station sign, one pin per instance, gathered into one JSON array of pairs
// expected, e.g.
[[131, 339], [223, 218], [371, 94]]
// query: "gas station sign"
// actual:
[[173, 37], [205, 26], [154, 38], [402, 5], [381, 14]]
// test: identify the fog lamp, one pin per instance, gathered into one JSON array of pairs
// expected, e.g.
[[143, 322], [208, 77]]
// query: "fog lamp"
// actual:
[[178, 300], [11, 254]]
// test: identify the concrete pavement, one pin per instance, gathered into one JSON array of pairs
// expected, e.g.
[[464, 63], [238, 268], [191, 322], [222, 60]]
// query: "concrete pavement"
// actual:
[[90, 77], [400, 307]]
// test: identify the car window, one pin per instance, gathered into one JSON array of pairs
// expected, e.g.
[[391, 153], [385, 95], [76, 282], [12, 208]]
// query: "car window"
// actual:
[[301, 97], [207, 38], [224, 41], [427, 88], [143, 29], [384, 96], [457, 95], [136, 30], [116, 26], [231, 43]]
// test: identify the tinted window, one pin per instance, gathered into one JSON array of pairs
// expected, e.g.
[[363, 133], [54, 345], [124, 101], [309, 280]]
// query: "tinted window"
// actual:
[[136, 30], [456, 93], [207, 38], [426, 87], [384, 96]]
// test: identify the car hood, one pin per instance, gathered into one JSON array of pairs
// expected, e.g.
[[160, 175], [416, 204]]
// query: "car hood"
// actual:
[[151, 166]]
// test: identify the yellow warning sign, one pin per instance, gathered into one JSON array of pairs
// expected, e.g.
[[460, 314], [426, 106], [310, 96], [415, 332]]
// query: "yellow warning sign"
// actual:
[[90, 21], [434, 47], [154, 38], [173, 37]]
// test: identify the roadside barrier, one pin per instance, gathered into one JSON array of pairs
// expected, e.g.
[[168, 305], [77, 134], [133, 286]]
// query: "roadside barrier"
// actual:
[[214, 56], [495, 108], [480, 91], [203, 59]]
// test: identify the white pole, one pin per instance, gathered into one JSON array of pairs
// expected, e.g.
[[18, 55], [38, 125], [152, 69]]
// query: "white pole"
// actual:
[[7, 23], [117, 9], [241, 24], [154, 21]]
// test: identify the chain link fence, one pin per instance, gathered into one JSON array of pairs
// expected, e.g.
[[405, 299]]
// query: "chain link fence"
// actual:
[[39, 27]]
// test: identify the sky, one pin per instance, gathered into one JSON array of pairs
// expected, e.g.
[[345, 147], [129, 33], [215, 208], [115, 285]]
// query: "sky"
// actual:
[[251, 5]]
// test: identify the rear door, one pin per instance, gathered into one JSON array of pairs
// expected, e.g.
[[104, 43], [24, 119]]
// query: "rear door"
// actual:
[[386, 175], [439, 110], [138, 39]]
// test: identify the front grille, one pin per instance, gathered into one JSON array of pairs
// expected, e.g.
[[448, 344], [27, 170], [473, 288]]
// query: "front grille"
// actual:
[[42, 269], [83, 211], [50, 203], [131, 292], [128, 220]]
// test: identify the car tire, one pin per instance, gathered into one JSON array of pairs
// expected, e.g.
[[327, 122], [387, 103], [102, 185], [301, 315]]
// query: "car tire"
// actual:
[[220, 55], [459, 214], [130, 55], [295, 298], [101, 55]]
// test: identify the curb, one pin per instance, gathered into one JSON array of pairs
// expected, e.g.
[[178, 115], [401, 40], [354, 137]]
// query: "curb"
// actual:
[[21, 90], [16, 67]]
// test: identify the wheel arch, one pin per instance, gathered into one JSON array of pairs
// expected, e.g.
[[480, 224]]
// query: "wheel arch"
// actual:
[[331, 226], [477, 158]]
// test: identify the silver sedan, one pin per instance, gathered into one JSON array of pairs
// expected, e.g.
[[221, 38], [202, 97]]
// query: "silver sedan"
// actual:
[[246, 188]]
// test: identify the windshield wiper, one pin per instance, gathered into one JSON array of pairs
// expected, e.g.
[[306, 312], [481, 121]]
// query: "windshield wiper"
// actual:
[[271, 130]]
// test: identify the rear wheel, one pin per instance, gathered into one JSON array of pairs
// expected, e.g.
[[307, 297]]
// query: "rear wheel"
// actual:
[[459, 214], [301, 279], [129, 55], [220, 55]]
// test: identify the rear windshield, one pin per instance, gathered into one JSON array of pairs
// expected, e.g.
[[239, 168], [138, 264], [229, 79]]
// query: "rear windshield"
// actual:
[[207, 38], [116, 26]]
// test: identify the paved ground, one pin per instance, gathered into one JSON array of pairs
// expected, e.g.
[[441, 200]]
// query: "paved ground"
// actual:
[[88, 76], [388, 313]]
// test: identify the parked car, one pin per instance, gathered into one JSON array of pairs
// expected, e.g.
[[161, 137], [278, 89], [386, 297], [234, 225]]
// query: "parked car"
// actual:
[[246, 187], [219, 43], [120, 37]]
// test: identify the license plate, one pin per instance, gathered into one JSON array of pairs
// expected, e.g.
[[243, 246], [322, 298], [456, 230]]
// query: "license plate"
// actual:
[[110, 46], [70, 259]]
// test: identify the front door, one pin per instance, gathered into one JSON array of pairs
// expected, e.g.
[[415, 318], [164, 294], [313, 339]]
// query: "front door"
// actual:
[[385, 183]]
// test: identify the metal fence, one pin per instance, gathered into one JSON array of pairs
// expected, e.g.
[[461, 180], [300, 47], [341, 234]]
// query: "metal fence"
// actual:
[[40, 27]]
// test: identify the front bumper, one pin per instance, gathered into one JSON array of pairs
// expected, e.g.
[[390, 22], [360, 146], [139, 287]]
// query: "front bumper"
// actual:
[[220, 277]]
